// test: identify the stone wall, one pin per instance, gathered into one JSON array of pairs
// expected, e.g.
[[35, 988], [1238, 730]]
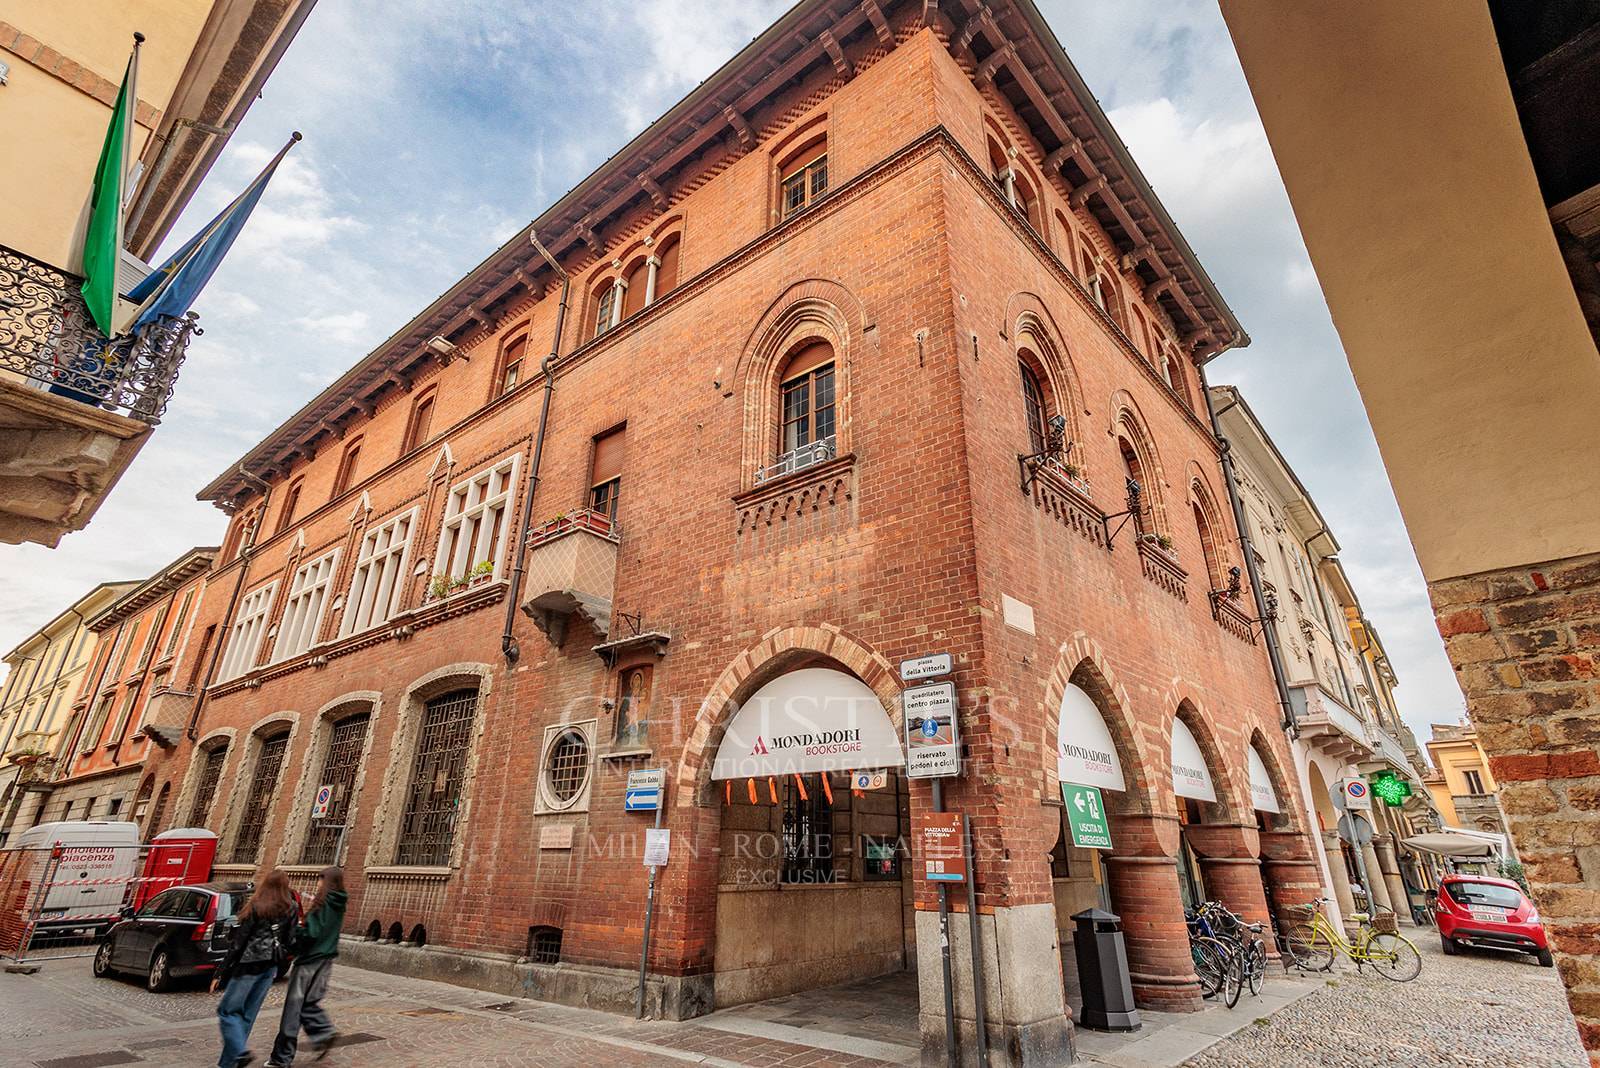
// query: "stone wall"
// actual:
[[1525, 644]]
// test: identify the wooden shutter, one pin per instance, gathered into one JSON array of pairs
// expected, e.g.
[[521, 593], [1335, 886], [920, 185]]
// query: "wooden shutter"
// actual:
[[607, 456]]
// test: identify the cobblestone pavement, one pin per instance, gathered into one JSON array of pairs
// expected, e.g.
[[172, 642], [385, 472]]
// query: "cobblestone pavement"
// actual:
[[62, 1017], [1480, 1008]]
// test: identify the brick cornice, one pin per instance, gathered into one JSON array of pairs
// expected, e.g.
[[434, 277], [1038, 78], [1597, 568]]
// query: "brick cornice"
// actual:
[[57, 65]]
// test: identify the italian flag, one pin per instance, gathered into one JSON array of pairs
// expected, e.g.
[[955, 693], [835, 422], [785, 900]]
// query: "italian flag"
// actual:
[[102, 244]]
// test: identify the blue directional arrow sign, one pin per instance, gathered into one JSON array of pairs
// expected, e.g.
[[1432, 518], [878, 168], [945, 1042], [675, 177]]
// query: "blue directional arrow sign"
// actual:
[[645, 789]]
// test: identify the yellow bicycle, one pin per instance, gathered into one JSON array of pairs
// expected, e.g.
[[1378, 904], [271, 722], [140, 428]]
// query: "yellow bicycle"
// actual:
[[1313, 945]]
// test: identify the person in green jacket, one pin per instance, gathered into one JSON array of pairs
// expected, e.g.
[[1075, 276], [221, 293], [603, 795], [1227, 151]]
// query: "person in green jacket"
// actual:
[[316, 944]]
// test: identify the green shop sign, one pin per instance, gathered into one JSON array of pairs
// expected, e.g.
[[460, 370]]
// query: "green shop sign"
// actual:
[[1390, 788]]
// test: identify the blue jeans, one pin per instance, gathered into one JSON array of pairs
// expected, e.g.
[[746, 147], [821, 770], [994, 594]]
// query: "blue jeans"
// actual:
[[236, 1013]]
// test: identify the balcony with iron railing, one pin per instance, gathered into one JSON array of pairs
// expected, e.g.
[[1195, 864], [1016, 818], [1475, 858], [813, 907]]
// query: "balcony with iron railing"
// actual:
[[75, 407]]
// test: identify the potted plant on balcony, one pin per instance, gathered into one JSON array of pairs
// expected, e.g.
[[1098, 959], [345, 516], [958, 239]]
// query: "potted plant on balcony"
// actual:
[[24, 757], [439, 587], [481, 572]]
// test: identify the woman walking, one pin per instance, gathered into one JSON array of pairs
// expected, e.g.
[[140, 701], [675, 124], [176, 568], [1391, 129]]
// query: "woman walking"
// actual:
[[316, 946], [259, 948]]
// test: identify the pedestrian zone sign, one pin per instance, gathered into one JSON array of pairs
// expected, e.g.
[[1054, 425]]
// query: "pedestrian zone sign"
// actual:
[[1086, 816]]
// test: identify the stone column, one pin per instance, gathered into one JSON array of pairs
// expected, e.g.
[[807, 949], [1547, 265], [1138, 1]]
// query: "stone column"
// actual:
[[1143, 873], [1399, 900], [1230, 859], [1291, 870], [1377, 889], [1342, 896]]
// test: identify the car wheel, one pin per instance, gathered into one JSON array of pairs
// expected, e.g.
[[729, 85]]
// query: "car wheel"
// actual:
[[160, 978], [1449, 946], [102, 960], [1546, 958]]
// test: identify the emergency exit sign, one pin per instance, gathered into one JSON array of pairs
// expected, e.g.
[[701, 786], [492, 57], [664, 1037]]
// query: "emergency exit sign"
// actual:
[[1086, 816]]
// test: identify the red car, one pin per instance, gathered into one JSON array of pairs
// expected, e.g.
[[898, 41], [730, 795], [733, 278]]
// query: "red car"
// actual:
[[1476, 910]]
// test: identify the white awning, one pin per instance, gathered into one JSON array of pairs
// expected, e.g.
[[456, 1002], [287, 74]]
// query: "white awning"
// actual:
[[813, 719], [1190, 776], [1085, 753], [1262, 796]]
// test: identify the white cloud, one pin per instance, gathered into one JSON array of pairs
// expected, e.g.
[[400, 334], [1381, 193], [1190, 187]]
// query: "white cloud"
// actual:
[[344, 327]]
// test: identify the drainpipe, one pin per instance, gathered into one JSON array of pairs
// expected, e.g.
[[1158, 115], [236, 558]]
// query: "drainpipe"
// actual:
[[1269, 631], [233, 602], [508, 643]]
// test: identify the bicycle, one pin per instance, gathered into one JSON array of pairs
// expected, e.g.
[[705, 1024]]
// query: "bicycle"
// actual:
[[1244, 939], [1313, 945], [1218, 966]]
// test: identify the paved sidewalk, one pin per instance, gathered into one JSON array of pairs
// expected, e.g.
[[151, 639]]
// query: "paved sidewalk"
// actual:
[[1480, 1008]]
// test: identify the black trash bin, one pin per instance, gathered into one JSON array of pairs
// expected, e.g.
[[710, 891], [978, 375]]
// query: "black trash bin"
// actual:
[[1103, 972]]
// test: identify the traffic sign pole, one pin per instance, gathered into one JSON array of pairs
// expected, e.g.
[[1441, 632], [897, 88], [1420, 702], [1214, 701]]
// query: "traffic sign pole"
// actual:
[[944, 949], [649, 911]]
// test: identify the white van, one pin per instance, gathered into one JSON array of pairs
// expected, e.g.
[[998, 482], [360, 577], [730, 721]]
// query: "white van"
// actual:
[[92, 874]]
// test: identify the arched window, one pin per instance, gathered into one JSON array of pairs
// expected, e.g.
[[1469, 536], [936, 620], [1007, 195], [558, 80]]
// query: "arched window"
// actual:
[[1065, 241], [347, 467], [1141, 336], [1133, 468], [291, 504], [420, 424], [607, 308], [806, 399], [511, 375], [1209, 548], [803, 178], [1033, 407], [638, 286], [667, 273], [439, 765]]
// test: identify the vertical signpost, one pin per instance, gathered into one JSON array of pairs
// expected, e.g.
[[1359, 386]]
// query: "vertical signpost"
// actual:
[[321, 805], [646, 792], [933, 751]]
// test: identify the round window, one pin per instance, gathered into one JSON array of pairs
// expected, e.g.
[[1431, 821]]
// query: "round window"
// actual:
[[567, 766]]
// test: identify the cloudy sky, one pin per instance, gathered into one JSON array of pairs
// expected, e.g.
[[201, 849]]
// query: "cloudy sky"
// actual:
[[435, 129]]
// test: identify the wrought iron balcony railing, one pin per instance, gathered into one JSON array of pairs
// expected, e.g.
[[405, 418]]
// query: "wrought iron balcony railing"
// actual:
[[47, 337], [819, 451]]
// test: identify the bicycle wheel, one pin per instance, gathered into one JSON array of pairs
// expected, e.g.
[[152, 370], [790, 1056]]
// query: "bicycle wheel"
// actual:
[[1255, 971], [1209, 965], [1233, 980], [1309, 948], [1394, 957]]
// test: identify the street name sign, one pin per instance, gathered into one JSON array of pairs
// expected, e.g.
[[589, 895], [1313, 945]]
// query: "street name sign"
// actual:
[[645, 789], [944, 860], [933, 742], [1086, 816], [323, 803], [925, 667]]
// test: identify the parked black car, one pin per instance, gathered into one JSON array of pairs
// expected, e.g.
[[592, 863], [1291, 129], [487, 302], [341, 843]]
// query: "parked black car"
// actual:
[[179, 933]]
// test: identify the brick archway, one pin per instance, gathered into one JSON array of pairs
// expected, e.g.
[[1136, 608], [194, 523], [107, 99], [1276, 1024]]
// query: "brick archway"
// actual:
[[1082, 661], [778, 650], [1187, 706]]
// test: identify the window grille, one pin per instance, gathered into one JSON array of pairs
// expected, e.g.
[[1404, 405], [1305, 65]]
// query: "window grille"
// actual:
[[161, 811], [258, 802], [428, 828], [302, 615], [339, 770], [244, 643], [475, 521], [566, 768], [380, 574], [807, 833], [544, 945], [206, 790]]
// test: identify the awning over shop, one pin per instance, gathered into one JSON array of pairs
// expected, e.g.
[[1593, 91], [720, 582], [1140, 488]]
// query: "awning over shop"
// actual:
[[1190, 776], [813, 719], [1454, 844], [1085, 753], [1262, 796]]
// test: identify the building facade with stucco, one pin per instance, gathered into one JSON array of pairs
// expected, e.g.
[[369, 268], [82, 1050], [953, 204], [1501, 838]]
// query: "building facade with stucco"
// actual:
[[877, 346]]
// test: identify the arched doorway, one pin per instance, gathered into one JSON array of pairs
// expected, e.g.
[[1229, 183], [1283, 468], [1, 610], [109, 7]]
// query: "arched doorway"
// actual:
[[814, 888]]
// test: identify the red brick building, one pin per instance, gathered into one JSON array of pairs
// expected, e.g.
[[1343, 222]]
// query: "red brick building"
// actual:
[[852, 356]]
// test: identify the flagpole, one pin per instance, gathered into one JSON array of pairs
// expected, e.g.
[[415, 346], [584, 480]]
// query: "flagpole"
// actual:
[[127, 142]]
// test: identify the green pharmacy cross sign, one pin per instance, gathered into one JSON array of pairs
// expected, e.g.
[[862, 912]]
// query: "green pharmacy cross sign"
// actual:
[[1391, 789]]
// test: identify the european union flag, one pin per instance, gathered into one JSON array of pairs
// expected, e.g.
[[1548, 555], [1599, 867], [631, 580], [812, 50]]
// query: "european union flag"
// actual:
[[169, 290]]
